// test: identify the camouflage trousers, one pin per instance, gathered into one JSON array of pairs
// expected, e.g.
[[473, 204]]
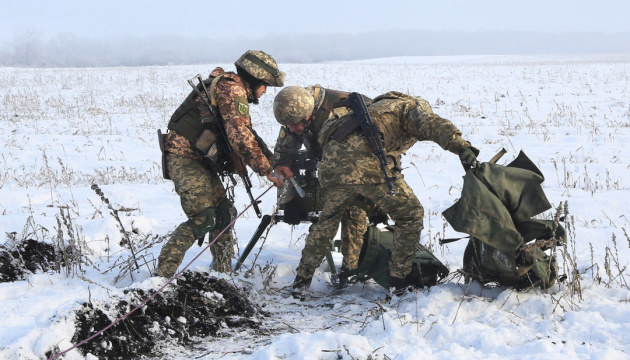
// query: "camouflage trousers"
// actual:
[[199, 189], [354, 224], [404, 208]]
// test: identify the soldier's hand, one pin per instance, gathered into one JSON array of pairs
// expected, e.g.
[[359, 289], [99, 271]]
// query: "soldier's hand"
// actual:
[[284, 171], [468, 157], [275, 178], [378, 216]]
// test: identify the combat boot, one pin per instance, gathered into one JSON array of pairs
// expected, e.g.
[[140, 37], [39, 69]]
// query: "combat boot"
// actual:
[[398, 286], [300, 287], [342, 280]]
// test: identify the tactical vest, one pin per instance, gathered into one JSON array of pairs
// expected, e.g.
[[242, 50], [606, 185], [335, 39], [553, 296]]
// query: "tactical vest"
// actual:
[[203, 133]]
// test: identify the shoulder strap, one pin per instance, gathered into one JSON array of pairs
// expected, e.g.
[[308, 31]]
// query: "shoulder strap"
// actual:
[[213, 86], [316, 92]]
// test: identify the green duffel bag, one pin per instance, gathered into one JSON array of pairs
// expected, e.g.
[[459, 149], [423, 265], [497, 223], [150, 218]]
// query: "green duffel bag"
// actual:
[[374, 259]]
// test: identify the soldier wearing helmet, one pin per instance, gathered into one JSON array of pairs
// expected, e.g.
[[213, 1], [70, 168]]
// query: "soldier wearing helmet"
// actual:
[[349, 170], [202, 194], [302, 113]]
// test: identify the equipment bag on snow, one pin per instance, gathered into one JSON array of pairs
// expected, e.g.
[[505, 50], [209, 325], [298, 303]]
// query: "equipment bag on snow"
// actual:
[[376, 253], [496, 209]]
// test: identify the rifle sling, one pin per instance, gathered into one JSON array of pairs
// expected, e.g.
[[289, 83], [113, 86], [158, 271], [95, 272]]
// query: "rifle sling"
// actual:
[[345, 129]]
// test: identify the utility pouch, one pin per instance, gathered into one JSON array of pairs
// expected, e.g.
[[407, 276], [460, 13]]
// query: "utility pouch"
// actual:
[[161, 141], [206, 143]]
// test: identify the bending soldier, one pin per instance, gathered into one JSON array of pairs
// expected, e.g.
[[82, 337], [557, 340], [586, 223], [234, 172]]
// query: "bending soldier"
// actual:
[[302, 113], [202, 194], [350, 169]]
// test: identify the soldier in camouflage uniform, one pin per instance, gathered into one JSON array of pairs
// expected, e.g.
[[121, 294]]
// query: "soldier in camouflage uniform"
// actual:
[[203, 196], [349, 169], [302, 113]]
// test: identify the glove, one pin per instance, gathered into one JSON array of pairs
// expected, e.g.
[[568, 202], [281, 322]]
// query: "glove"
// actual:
[[468, 157], [293, 212], [378, 216]]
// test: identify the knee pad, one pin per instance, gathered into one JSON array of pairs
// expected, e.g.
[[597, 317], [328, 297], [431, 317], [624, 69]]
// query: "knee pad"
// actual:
[[226, 212], [203, 222]]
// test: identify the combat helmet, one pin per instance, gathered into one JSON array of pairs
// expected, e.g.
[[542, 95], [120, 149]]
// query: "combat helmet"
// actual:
[[292, 105], [261, 66]]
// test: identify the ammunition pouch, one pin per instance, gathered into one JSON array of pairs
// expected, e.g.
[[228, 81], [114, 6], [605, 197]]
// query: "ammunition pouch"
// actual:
[[201, 132]]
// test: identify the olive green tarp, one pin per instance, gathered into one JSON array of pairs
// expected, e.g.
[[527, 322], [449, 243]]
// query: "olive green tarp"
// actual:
[[496, 209]]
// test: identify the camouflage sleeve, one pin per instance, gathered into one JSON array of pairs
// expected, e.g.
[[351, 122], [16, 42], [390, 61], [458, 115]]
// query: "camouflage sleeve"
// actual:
[[234, 109], [424, 124], [287, 144]]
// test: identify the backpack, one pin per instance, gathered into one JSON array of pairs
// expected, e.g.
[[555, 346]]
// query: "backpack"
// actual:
[[496, 209], [376, 253]]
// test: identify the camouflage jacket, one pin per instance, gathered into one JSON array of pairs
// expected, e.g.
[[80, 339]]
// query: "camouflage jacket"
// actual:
[[403, 120], [289, 143], [233, 98]]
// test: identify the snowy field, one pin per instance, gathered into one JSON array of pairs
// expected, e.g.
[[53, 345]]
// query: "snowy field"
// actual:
[[63, 130]]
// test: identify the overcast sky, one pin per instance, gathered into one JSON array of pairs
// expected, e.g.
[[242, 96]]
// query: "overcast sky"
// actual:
[[113, 18]]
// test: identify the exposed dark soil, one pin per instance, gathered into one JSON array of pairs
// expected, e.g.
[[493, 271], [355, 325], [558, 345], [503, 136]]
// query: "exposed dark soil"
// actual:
[[193, 308], [28, 256]]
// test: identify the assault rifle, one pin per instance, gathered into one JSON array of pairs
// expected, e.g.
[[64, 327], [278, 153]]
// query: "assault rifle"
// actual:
[[236, 161], [370, 132]]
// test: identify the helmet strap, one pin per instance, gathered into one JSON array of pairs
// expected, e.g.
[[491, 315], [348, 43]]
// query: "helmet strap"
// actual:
[[253, 58]]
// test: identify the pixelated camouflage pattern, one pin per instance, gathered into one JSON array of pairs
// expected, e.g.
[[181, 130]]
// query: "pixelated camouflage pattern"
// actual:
[[179, 145], [403, 120], [353, 226], [354, 220], [238, 127], [230, 91], [292, 105], [349, 169], [404, 209], [198, 189], [288, 143], [271, 79], [321, 94]]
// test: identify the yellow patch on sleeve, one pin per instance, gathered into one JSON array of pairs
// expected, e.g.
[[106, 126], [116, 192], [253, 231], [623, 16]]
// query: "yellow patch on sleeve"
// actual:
[[242, 108]]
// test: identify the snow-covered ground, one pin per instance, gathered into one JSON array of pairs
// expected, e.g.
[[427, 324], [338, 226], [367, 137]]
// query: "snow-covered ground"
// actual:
[[63, 130]]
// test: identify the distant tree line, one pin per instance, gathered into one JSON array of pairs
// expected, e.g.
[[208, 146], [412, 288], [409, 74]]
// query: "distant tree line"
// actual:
[[29, 48]]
